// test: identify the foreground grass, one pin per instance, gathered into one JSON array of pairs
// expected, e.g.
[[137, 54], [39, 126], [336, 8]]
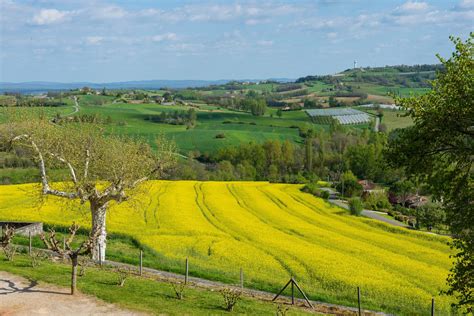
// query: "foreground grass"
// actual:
[[138, 293]]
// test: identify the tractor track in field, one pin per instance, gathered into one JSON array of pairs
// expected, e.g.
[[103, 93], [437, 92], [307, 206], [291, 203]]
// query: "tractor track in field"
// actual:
[[271, 224], [232, 233]]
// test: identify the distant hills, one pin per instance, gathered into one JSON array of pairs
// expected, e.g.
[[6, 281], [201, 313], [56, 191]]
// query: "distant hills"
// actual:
[[43, 86]]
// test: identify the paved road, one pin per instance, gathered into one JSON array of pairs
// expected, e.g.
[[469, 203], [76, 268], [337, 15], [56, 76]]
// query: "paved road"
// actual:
[[371, 214]]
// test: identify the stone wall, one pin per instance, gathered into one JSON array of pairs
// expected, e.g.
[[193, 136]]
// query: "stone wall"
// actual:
[[24, 228]]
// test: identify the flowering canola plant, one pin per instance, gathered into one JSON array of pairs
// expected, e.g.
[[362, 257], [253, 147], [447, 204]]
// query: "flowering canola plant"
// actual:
[[272, 231]]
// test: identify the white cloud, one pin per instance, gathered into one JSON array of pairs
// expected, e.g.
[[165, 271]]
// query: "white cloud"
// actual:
[[251, 14], [50, 16], [108, 12], [94, 40], [265, 43], [164, 37], [414, 6], [466, 4]]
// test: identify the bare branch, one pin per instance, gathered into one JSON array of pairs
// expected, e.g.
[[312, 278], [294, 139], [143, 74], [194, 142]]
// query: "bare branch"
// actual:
[[71, 169], [86, 167], [42, 166], [134, 184]]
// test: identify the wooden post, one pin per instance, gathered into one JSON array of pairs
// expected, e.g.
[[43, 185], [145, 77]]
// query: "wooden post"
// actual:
[[281, 291], [241, 278], [187, 271], [29, 245], [302, 293], [432, 307], [141, 261], [293, 284], [358, 300], [292, 292], [64, 243]]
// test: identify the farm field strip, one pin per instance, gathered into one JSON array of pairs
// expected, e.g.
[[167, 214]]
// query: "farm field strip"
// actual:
[[272, 231]]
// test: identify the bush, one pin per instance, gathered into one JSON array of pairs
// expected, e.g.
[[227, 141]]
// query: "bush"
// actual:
[[355, 206], [377, 201], [314, 189], [231, 297], [220, 135], [349, 185]]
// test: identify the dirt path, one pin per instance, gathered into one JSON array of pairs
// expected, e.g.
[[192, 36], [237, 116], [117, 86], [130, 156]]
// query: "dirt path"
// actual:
[[20, 296], [75, 106]]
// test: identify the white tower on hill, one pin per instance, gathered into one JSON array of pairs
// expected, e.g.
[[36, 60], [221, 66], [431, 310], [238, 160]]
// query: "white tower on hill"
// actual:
[[355, 64]]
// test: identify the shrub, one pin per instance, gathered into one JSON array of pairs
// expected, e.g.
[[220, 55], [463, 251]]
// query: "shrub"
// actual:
[[231, 297], [179, 289], [314, 189], [349, 185], [220, 135], [122, 275], [377, 201], [282, 310], [36, 257], [355, 206]]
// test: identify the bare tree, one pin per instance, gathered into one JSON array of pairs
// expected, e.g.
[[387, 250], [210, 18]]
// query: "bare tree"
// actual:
[[6, 242], [85, 248], [102, 169]]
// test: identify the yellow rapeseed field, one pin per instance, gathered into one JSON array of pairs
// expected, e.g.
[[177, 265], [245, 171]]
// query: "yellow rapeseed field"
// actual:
[[272, 231]]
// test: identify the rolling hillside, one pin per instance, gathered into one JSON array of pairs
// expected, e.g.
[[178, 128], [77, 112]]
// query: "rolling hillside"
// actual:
[[272, 231]]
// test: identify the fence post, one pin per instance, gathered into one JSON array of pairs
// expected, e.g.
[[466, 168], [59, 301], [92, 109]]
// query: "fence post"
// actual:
[[64, 243], [141, 261], [29, 244], [241, 278], [292, 292], [187, 271], [358, 300], [432, 307]]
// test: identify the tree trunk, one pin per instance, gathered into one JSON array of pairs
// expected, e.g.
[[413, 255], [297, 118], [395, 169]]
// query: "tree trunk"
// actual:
[[98, 227], [74, 262]]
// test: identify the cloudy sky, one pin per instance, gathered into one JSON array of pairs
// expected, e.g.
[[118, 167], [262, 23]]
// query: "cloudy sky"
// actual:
[[104, 41]]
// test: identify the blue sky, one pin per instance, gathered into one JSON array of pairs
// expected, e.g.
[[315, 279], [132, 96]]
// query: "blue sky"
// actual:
[[104, 41]]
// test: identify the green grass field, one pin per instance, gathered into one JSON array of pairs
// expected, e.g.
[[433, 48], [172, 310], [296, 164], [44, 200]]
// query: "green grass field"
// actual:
[[140, 294], [238, 127]]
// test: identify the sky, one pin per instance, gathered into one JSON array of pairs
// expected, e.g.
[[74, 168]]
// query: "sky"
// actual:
[[117, 40]]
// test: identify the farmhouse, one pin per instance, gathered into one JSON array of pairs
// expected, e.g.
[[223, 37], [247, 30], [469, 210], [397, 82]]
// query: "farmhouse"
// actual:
[[344, 116]]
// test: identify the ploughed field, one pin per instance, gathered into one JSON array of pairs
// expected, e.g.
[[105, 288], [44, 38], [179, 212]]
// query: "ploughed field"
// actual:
[[272, 231]]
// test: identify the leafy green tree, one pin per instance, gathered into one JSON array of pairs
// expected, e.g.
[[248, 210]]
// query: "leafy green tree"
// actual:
[[348, 185], [402, 190], [309, 154], [258, 107], [430, 216], [439, 148], [167, 96], [279, 113]]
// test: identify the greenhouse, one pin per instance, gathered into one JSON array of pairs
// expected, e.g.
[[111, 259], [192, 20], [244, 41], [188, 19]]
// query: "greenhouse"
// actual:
[[344, 116]]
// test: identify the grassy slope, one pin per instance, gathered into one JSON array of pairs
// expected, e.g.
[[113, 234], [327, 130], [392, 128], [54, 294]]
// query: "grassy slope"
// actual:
[[210, 123], [272, 231], [140, 294]]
